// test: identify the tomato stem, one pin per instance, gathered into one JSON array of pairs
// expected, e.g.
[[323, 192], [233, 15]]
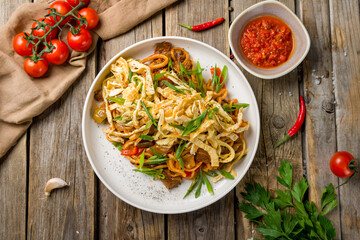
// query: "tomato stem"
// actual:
[[35, 57]]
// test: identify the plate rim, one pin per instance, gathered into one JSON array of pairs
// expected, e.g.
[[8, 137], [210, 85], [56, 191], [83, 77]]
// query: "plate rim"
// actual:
[[87, 102]]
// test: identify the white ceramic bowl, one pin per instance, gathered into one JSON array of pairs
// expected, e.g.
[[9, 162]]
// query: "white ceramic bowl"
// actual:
[[139, 190], [279, 10]]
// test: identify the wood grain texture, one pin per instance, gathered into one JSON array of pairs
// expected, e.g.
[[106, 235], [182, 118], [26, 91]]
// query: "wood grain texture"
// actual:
[[215, 221], [56, 150], [13, 167], [118, 220], [258, 170], [278, 102], [345, 36], [320, 141]]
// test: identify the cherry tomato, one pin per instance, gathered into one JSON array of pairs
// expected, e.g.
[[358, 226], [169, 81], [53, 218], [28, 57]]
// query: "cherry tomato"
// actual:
[[62, 8], [59, 54], [80, 42], [20, 45], [36, 69], [40, 32], [91, 16], [218, 73], [74, 3], [342, 164], [130, 152]]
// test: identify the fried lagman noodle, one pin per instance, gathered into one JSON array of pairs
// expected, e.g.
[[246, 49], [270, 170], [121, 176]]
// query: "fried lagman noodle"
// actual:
[[167, 120]]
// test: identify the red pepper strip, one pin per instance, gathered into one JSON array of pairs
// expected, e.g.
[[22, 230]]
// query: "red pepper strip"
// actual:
[[130, 152], [203, 26], [297, 125], [218, 73]]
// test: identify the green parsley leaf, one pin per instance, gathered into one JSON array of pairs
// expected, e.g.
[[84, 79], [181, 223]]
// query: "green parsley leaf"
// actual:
[[284, 199], [146, 137], [285, 171], [328, 199], [299, 190], [118, 100], [257, 195], [251, 211], [226, 174], [194, 124]]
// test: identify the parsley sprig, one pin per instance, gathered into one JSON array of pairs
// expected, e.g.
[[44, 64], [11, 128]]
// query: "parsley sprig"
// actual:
[[272, 215]]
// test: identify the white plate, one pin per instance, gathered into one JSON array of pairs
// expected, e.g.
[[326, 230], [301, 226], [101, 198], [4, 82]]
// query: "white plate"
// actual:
[[139, 190]]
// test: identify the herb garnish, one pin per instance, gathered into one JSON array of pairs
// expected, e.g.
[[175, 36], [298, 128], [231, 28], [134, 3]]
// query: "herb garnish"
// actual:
[[170, 67], [234, 106], [178, 126], [148, 113], [118, 100], [146, 137], [130, 75], [117, 145], [178, 153], [273, 219], [211, 112], [195, 123], [117, 118], [201, 179], [226, 174], [142, 159], [151, 172], [219, 81], [178, 90]]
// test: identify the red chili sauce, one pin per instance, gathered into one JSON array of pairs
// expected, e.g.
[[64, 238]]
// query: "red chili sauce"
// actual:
[[266, 42]]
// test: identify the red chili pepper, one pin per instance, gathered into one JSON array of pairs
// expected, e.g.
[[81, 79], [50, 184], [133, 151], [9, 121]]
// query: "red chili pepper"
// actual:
[[203, 26], [297, 125], [130, 152], [140, 150], [218, 73]]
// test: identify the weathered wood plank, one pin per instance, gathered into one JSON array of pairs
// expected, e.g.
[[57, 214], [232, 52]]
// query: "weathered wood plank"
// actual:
[[345, 36], [215, 221], [118, 220], [320, 141], [13, 169], [279, 104], [257, 171], [56, 150]]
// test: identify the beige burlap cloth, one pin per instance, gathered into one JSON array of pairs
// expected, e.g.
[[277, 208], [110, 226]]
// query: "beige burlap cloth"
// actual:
[[23, 97]]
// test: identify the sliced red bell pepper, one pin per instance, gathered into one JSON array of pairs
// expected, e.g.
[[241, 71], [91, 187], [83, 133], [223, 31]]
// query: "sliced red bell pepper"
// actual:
[[130, 152]]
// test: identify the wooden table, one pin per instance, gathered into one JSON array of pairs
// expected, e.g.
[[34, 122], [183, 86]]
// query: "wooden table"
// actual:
[[329, 79]]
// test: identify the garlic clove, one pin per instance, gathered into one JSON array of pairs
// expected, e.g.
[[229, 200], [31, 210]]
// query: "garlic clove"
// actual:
[[54, 183]]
